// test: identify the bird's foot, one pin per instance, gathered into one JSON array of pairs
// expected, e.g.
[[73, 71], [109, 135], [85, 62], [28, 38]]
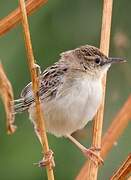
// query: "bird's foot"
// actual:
[[47, 160], [91, 153]]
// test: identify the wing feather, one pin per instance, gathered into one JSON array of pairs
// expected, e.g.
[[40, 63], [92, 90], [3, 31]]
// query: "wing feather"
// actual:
[[50, 80]]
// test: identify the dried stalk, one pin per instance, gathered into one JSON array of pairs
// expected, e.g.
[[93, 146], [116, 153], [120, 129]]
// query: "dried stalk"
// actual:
[[7, 97], [14, 17], [98, 120], [35, 84], [129, 178], [117, 127], [124, 170]]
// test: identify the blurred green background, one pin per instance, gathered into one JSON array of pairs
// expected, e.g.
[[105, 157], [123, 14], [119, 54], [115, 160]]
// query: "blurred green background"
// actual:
[[59, 26]]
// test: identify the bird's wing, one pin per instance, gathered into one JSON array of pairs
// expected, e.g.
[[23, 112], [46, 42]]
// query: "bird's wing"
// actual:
[[50, 80]]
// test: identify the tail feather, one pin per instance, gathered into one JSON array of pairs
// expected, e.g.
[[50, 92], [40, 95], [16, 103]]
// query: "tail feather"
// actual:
[[19, 106]]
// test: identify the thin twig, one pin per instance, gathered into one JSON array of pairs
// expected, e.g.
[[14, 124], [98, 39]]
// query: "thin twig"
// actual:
[[7, 97], [35, 84], [118, 125], [124, 170], [98, 120], [14, 17]]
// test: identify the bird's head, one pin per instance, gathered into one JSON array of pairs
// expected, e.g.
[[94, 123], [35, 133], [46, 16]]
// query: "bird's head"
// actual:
[[93, 60]]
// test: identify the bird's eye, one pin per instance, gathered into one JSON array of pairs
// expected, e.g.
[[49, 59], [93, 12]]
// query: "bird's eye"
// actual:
[[97, 60]]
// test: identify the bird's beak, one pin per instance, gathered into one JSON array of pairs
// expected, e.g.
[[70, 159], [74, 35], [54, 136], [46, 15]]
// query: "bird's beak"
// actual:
[[116, 60], [112, 60]]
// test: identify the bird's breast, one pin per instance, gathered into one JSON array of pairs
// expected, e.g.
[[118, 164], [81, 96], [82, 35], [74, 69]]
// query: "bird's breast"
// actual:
[[83, 99], [73, 106]]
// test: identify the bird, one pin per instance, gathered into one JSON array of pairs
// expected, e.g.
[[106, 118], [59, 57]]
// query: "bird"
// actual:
[[70, 92]]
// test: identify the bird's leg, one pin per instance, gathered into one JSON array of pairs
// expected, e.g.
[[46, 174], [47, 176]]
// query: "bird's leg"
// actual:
[[87, 152], [48, 156]]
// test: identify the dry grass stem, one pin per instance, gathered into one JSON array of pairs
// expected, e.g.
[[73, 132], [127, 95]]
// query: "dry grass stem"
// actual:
[[119, 123], [98, 120], [7, 97], [14, 17], [124, 170], [35, 84]]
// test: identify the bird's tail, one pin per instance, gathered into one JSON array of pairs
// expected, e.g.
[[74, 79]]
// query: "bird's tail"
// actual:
[[19, 106]]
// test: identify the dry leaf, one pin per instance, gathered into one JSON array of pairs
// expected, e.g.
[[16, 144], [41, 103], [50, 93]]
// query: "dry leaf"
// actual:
[[7, 97]]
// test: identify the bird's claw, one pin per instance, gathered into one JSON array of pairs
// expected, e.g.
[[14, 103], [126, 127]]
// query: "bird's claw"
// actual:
[[93, 155], [47, 160]]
